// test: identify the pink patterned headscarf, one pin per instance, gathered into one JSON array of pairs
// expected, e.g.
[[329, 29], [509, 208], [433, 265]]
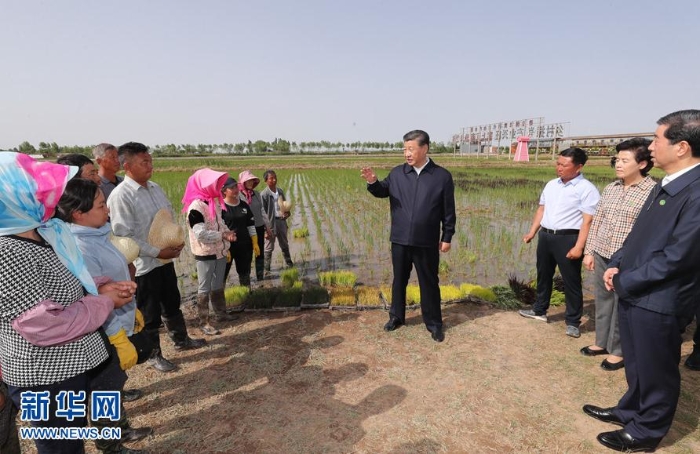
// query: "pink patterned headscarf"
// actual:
[[205, 184], [29, 193]]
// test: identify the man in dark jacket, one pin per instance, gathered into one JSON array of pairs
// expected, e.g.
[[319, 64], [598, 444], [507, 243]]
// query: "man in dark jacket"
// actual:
[[655, 275], [421, 198]]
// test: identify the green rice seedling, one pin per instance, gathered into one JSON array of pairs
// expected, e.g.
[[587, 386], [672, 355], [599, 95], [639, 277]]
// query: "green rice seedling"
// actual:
[[263, 298], [236, 295], [345, 278], [325, 278], [478, 292], [315, 295], [368, 296], [505, 297], [443, 268], [412, 294], [289, 276], [558, 298], [337, 278], [289, 297], [342, 297], [194, 275], [301, 232], [386, 293], [450, 293]]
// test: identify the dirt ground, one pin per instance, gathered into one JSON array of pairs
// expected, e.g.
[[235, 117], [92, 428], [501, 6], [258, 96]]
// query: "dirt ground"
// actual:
[[334, 382]]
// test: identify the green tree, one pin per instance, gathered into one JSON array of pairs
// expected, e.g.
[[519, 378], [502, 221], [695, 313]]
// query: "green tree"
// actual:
[[26, 148]]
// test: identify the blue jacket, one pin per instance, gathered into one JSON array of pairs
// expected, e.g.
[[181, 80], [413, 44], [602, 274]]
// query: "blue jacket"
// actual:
[[103, 259], [659, 260], [419, 204]]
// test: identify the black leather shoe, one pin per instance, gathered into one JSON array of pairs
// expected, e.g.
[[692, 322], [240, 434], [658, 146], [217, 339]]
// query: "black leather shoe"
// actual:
[[606, 365], [132, 435], [392, 324], [161, 364], [190, 344], [602, 414], [437, 335], [693, 360], [130, 395], [619, 440], [587, 351]]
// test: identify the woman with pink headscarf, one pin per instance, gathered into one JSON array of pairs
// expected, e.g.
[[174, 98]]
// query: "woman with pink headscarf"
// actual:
[[209, 241]]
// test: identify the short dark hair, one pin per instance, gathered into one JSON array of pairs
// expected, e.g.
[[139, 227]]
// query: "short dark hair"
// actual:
[[79, 195], [683, 125], [639, 146], [577, 155], [130, 149], [75, 159], [268, 173], [419, 136]]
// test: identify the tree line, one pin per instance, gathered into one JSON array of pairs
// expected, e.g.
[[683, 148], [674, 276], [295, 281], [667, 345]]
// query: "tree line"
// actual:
[[259, 147]]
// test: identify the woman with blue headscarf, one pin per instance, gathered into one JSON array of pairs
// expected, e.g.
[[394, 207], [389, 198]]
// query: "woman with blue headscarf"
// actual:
[[50, 306]]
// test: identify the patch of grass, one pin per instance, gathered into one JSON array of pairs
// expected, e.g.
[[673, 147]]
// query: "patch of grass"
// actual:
[[558, 298], [236, 295], [368, 296], [478, 291], [289, 277], [505, 297], [342, 297], [412, 294], [443, 268], [315, 295], [450, 292], [289, 297], [301, 233], [337, 278], [263, 298], [385, 290]]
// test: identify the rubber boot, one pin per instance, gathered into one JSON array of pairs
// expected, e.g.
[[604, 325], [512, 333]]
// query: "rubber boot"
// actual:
[[203, 313], [178, 333], [218, 302]]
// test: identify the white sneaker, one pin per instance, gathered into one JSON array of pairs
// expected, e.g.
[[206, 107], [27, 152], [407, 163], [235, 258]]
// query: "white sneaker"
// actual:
[[529, 313]]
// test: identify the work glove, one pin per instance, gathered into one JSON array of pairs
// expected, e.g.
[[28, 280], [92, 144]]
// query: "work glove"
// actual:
[[256, 246], [228, 257], [125, 349], [138, 322]]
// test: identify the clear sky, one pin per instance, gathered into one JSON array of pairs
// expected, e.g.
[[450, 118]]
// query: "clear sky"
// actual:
[[209, 71]]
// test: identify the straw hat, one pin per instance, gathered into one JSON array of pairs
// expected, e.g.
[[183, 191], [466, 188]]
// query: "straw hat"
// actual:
[[164, 232], [285, 205], [127, 246]]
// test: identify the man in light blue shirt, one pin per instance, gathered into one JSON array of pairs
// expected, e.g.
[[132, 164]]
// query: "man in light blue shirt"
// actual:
[[564, 217]]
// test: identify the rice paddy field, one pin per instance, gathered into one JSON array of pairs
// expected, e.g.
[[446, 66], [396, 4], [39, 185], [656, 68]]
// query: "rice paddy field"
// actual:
[[337, 225]]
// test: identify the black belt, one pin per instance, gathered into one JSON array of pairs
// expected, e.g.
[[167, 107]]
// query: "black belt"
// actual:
[[561, 232]]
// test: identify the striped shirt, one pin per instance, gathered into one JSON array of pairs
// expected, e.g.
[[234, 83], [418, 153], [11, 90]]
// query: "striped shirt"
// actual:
[[615, 216], [132, 208]]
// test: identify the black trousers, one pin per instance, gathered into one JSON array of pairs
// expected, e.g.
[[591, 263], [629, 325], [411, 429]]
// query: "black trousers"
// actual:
[[551, 252], [78, 383], [651, 344], [260, 260], [157, 296], [242, 257], [426, 261]]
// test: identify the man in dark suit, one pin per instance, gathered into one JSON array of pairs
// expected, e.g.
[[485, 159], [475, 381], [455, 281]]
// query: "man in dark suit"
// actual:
[[655, 275], [421, 197]]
